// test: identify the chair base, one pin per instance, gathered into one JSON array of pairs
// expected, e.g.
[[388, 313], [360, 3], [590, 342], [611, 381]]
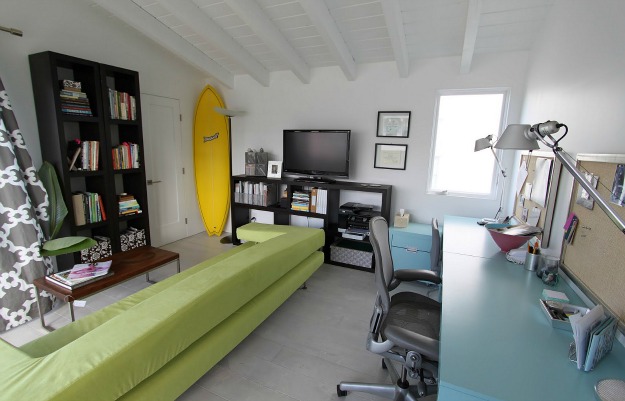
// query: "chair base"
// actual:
[[397, 391]]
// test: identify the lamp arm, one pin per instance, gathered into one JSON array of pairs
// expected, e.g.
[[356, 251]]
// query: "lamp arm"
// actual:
[[579, 177], [503, 172]]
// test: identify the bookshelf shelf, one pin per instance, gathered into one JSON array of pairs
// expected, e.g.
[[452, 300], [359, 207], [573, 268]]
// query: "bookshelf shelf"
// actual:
[[282, 215], [54, 77]]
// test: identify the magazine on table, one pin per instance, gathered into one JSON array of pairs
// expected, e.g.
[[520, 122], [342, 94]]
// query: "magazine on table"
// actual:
[[61, 279], [89, 270]]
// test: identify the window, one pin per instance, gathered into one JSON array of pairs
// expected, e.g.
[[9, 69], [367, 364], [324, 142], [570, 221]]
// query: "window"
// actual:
[[461, 118]]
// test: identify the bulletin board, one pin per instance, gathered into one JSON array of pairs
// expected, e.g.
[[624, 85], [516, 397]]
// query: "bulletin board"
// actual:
[[595, 259], [536, 190]]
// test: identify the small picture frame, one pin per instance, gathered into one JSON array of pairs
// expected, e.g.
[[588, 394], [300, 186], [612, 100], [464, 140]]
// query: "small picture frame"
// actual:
[[274, 169], [394, 124], [390, 156]]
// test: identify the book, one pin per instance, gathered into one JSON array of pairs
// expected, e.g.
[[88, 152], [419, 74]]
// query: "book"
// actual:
[[79, 210], [89, 270], [61, 280]]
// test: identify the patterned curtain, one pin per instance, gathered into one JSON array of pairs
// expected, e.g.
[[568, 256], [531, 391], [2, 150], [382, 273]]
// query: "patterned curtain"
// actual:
[[23, 211]]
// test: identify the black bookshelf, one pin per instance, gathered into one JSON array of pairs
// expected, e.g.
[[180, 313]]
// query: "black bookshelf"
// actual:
[[57, 129]]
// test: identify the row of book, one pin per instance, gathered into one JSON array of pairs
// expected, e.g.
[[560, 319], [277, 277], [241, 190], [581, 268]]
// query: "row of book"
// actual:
[[81, 274], [314, 200], [255, 193], [73, 99], [88, 208], [123, 105], [83, 155], [128, 205], [126, 156]]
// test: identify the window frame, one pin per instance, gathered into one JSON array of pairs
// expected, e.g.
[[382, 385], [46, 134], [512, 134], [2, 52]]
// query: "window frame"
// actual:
[[497, 179]]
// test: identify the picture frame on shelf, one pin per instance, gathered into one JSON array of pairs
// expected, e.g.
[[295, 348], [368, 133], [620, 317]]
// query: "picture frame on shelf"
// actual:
[[395, 124], [274, 169], [390, 156]]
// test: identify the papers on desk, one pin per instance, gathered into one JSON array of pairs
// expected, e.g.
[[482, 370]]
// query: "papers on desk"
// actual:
[[594, 335]]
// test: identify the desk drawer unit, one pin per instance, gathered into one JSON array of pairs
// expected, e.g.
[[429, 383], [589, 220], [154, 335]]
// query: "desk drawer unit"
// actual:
[[410, 246]]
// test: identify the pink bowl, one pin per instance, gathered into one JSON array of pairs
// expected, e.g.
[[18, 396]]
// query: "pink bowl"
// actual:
[[504, 241]]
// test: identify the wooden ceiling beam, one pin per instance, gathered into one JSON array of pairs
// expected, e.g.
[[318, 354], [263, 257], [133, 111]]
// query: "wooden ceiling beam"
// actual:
[[470, 35], [395, 26], [191, 15], [137, 18], [320, 16]]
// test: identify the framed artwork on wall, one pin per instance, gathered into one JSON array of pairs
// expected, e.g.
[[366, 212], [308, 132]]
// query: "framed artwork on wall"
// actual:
[[391, 156], [394, 124]]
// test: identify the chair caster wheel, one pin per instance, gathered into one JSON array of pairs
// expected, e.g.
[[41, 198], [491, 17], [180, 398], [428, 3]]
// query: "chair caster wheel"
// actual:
[[340, 392], [384, 365]]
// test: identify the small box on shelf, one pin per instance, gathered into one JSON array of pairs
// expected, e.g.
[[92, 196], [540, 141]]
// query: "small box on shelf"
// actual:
[[352, 253], [101, 250], [132, 238]]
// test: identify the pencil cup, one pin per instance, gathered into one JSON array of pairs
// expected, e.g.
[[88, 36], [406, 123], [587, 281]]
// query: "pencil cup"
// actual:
[[531, 261]]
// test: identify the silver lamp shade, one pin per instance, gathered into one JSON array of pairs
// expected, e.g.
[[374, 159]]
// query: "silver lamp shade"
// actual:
[[517, 136]]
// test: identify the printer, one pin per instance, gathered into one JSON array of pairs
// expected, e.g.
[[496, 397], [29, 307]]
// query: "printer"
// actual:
[[354, 219]]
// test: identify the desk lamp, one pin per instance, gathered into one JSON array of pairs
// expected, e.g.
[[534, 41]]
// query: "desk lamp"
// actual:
[[485, 143], [526, 137]]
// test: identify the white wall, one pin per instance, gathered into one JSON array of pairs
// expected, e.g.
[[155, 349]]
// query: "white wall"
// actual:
[[332, 102], [577, 77], [76, 28]]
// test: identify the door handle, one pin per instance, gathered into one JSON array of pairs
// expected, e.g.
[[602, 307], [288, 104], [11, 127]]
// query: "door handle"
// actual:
[[150, 182]]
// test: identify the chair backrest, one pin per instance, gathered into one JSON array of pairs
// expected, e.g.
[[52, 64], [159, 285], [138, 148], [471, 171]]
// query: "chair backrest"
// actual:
[[435, 252], [378, 236]]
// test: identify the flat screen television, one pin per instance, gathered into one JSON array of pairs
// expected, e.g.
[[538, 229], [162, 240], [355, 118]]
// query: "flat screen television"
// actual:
[[318, 154]]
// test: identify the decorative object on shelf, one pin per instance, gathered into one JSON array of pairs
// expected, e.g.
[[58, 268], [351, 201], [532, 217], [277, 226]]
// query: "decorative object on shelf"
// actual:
[[132, 238], [390, 156], [274, 169], [256, 162], [394, 124], [101, 250]]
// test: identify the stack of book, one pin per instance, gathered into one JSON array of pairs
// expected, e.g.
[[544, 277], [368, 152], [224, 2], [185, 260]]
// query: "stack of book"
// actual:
[[319, 200], [126, 156], [300, 201], [81, 274], [73, 99], [128, 205], [123, 105], [88, 208]]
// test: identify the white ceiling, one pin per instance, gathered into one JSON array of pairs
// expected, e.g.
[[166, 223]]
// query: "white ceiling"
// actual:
[[226, 38]]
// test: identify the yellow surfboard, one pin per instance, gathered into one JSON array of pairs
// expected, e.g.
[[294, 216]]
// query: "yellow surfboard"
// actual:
[[211, 156]]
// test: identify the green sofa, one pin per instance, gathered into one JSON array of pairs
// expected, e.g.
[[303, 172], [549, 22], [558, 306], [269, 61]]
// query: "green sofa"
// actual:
[[156, 343]]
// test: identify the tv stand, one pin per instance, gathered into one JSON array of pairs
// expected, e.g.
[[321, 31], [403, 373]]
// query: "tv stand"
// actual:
[[283, 213]]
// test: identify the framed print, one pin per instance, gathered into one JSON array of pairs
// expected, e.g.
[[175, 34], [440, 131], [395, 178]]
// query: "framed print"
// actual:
[[394, 124], [274, 169], [390, 156]]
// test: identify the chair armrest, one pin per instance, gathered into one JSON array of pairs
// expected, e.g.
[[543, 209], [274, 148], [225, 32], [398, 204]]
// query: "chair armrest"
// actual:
[[428, 347], [421, 275]]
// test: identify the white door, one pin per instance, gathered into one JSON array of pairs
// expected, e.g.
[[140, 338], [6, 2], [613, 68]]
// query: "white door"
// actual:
[[163, 165]]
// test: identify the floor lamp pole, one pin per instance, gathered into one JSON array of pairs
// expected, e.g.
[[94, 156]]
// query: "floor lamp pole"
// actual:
[[229, 113]]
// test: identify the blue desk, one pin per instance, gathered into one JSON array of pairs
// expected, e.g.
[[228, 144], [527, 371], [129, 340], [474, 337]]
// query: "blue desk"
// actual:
[[496, 343]]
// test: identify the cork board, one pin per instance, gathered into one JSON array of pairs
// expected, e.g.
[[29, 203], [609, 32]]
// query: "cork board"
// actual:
[[524, 204], [596, 256]]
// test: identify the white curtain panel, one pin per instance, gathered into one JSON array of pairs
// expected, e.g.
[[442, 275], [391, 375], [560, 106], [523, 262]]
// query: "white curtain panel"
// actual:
[[23, 212]]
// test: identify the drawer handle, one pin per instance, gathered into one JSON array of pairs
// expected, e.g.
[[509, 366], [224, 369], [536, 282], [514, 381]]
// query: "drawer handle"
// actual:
[[412, 250]]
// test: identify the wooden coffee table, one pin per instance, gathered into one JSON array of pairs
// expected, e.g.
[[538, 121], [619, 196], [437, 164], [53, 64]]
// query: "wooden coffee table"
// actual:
[[126, 265]]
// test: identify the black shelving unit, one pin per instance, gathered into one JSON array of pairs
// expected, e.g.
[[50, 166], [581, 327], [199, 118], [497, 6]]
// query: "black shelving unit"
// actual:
[[240, 212], [57, 129]]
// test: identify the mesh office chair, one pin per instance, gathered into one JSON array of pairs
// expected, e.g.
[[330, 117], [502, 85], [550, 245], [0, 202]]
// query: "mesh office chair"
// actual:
[[404, 327]]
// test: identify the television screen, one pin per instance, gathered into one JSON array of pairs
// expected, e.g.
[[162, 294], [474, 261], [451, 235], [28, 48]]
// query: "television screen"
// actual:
[[316, 152]]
